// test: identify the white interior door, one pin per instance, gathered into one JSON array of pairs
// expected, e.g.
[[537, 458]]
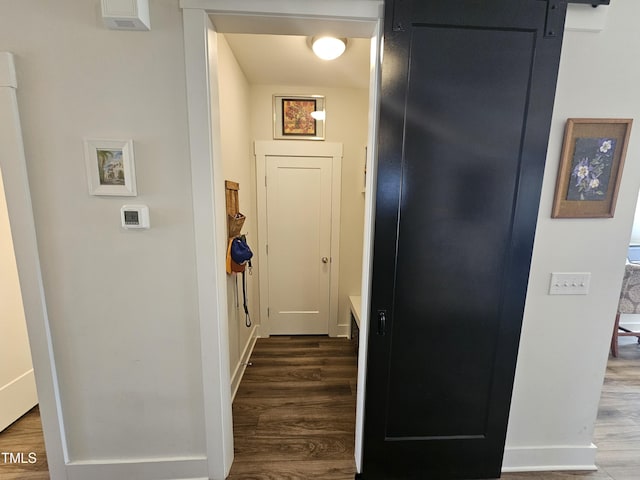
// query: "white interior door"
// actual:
[[299, 244]]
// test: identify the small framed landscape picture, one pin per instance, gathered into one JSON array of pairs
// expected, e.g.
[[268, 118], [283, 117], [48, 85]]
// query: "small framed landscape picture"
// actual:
[[110, 167], [591, 166], [298, 117]]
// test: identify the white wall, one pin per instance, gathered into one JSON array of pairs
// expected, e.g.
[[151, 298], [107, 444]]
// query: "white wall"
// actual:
[[121, 305], [347, 116], [565, 339], [237, 160], [17, 383]]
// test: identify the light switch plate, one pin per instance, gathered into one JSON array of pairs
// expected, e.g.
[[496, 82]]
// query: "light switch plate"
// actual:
[[571, 283]]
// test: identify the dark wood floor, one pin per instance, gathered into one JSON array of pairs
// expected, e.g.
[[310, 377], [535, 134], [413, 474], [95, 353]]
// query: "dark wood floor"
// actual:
[[24, 436], [295, 409], [294, 413]]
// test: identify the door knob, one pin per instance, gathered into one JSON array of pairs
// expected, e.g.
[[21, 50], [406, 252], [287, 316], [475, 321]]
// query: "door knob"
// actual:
[[325, 260]]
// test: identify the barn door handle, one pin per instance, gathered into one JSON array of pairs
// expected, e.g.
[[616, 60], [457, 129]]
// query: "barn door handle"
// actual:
[[382, 322]]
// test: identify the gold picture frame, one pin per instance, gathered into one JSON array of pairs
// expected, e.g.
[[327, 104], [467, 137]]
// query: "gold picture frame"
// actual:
[[591, 165]]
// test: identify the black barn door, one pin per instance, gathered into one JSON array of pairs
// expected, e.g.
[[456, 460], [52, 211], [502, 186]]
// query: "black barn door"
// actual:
[[467, 96]]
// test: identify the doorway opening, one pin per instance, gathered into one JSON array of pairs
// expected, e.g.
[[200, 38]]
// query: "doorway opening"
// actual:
[[618, 407], [361, 20], [21, 436], [366, 27], [304, 201]]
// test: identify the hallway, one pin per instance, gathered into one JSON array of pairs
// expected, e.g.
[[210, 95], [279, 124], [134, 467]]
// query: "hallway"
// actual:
[[294, 414]]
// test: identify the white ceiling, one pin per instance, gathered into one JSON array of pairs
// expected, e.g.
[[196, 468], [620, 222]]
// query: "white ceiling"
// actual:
[[288, 60]]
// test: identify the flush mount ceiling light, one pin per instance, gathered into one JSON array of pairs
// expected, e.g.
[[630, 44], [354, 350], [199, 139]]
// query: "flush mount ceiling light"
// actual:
[[328, 48]]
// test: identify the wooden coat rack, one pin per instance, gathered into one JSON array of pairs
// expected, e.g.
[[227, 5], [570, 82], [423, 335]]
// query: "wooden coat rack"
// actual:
[[235, 220]]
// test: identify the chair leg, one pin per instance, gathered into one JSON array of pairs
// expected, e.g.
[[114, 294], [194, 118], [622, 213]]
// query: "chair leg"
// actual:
[[614, 336]]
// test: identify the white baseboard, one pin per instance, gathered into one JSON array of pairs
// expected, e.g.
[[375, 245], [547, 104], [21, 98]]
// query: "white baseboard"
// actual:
[[182, 468], [344, 331], [539, 459], [238, 372], [260, 331], [17, 398]]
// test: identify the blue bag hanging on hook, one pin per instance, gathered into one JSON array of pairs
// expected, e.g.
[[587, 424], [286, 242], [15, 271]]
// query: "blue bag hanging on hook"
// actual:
[[240, 251]]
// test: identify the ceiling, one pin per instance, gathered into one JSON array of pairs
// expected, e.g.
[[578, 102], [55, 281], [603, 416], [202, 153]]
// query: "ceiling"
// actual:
[[288, 60]]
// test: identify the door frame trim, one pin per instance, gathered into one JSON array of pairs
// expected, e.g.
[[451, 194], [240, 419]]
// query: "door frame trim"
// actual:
[[208, 191], [13, 164], [284, 148]]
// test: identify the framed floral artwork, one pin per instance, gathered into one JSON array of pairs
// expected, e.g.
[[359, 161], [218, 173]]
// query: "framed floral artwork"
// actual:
[[298, 117], [591, 164], [110, 167]]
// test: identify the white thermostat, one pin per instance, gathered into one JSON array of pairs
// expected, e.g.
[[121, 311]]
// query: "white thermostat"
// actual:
[[135, 216]]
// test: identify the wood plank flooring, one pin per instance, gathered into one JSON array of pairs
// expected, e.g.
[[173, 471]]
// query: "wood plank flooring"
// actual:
[[24, 436], [294, 413], [295, 409], [617, 432]]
